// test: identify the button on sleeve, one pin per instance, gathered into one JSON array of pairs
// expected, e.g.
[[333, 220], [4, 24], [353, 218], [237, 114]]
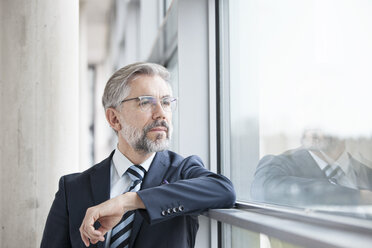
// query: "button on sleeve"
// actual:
[[180, 208]]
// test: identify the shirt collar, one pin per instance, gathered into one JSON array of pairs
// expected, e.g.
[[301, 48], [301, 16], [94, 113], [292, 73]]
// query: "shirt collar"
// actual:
[[321, 163], [122, 163], [343, 161]]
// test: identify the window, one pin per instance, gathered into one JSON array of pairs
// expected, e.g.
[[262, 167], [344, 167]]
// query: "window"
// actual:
[[242, 238], [295, 86]]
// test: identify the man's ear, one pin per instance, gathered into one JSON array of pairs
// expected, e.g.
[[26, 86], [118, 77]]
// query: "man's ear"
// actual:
[[112, 116]]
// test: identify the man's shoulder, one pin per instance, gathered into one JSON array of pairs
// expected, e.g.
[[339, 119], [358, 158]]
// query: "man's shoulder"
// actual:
[[101, 166], [175, 159], [169, 156], [294, 154], [289, 159]]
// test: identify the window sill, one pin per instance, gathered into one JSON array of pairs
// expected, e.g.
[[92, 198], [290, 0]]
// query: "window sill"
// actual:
[[305, 228]]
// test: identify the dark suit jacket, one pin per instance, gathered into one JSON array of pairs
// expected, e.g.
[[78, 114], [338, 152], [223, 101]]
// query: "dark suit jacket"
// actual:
[[191, 190], [294, 178]]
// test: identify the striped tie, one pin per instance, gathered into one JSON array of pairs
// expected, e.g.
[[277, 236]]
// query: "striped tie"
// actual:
[[333, 173], [121, 232]]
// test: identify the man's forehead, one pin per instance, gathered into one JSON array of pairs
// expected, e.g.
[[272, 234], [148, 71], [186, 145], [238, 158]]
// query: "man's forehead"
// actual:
[[150, 85]]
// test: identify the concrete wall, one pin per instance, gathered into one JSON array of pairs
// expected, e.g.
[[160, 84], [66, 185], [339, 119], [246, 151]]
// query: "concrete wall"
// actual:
[[39, 112]]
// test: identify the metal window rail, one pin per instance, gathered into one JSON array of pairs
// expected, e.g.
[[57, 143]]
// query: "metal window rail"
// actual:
[[301, 227]]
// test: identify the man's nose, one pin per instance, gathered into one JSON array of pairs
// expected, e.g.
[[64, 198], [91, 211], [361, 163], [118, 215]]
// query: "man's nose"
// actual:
[[158, 111]]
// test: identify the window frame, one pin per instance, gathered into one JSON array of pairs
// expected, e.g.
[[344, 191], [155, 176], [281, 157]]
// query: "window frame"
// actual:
[[304, 228]]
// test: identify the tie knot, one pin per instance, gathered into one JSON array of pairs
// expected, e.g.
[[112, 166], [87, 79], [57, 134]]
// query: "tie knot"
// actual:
[[333, 171], [136, 172]]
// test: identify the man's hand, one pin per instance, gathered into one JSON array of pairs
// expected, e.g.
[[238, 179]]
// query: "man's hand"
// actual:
[[108, 214]]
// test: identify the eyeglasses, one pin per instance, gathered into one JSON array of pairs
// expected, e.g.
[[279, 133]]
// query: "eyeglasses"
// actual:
[[148, 103]]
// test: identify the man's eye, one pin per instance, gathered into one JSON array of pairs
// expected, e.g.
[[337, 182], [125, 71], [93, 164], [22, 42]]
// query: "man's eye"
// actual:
[[145, 102], [166, 102]]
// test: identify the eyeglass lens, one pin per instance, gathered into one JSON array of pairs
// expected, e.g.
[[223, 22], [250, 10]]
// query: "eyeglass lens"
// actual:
[[168, 103]]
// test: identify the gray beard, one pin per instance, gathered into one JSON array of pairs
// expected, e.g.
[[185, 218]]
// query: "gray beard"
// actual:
[[138, 138]]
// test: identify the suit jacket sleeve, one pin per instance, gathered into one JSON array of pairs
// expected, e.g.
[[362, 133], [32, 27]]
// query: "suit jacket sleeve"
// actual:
[[56, 232], [192, 189]]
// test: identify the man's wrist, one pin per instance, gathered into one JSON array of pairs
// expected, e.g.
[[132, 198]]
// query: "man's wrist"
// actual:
[[139, 202], [131, 201]]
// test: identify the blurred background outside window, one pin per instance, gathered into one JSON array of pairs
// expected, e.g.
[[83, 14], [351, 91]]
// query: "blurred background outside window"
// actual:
[[298, 130]]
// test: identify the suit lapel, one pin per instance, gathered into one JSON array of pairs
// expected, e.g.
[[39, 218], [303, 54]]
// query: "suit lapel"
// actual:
[[362, 172], [309, 166], [153, 178], [100, 181], [100, 184], [358, 168], [156, 171]]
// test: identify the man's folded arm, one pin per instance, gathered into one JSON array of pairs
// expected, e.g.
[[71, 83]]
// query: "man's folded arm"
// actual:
[[197, 191]]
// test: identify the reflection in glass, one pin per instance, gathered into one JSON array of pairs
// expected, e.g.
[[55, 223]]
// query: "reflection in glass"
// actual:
[[298, 86], [321, 171]]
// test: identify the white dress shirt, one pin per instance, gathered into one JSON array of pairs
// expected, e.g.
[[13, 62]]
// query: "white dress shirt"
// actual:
[[349, 179], [120, 183]]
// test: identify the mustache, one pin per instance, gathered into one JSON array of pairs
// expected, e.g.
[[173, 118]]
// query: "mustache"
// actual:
[[156, 123]]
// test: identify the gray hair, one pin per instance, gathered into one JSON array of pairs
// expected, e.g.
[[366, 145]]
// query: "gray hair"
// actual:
[[118, 86]]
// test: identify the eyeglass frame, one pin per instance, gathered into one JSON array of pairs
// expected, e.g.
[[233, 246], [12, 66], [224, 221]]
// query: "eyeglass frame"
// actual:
[[139, 98]]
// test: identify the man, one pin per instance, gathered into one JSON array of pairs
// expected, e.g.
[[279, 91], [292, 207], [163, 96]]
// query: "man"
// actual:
[[173, 190], [321, 172]]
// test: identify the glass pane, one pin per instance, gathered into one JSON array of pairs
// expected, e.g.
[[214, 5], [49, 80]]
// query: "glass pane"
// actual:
[[298, 130], [235, 237]]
